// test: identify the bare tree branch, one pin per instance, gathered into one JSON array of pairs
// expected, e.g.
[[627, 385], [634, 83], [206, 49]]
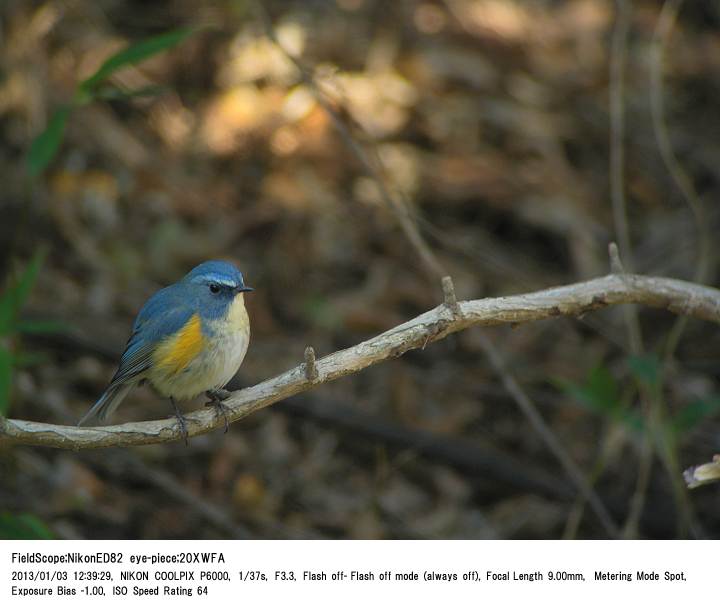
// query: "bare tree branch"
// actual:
[[680, 297]]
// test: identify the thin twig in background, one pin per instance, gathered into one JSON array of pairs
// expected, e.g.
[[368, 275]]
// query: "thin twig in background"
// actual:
[[666, 21], [618, 54], [617, 161], [637, 501], [667, 448], [623, 12], [610, 435]]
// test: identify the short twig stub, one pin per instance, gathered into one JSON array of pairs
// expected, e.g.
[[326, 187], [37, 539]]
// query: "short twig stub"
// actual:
[[449, 295], [616, 265], [311, 371]]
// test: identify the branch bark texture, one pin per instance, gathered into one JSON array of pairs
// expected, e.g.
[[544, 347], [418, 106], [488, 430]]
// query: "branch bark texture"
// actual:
[[680, 297]]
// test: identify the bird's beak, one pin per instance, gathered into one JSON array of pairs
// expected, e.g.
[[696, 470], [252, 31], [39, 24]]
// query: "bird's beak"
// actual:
[[245, 289]]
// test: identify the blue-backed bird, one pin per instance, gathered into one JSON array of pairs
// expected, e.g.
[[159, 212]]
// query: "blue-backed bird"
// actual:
[[188, 338]]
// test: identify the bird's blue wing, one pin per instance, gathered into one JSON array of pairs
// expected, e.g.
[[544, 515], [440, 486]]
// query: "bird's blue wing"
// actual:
[[164, 314]]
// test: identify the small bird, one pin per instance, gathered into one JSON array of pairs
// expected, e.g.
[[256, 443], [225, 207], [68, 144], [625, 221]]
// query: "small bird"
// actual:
[[188, 338]]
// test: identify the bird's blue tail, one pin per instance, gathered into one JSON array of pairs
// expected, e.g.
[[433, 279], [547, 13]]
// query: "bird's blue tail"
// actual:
[[108, 402]]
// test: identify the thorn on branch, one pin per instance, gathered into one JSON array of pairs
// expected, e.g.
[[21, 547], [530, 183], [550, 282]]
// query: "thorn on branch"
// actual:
[[449, 295], [311, 371], [616, 265]]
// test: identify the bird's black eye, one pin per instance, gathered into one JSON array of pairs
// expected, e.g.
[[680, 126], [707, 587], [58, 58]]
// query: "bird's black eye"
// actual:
[[214, 288]]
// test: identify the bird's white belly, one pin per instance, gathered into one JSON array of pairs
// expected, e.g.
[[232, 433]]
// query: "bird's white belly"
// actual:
[[217, 362]]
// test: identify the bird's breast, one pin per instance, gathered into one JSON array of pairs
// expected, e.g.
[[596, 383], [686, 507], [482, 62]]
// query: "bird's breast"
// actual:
[[230, 334], [236, 319], [229, 342]]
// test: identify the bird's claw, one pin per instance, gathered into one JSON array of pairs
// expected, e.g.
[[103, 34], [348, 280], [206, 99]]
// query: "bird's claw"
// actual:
[[216, 400], [182, 424], [182, 421]]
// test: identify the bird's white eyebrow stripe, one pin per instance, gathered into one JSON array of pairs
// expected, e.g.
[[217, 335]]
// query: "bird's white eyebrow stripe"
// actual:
[[215, 278]]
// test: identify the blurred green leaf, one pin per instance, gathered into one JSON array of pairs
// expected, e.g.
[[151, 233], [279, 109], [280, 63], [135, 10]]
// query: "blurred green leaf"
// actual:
[[16, 293], [695, 412], [45, 146], [600, 394], [23, 526], [135, 53], [6, 366], [645, 368]]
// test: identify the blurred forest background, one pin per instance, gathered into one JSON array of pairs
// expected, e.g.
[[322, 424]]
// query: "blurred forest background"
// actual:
[[491, 121]]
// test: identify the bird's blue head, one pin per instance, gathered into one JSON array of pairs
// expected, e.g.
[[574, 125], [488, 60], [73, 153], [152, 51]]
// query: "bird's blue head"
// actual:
[[215, 284]]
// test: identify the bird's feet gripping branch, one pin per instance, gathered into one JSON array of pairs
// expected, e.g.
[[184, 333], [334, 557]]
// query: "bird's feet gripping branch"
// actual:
[[182, 421], [217, 399]]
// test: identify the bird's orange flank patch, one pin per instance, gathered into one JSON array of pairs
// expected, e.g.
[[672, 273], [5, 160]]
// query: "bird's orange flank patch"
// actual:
[[176, 352]]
